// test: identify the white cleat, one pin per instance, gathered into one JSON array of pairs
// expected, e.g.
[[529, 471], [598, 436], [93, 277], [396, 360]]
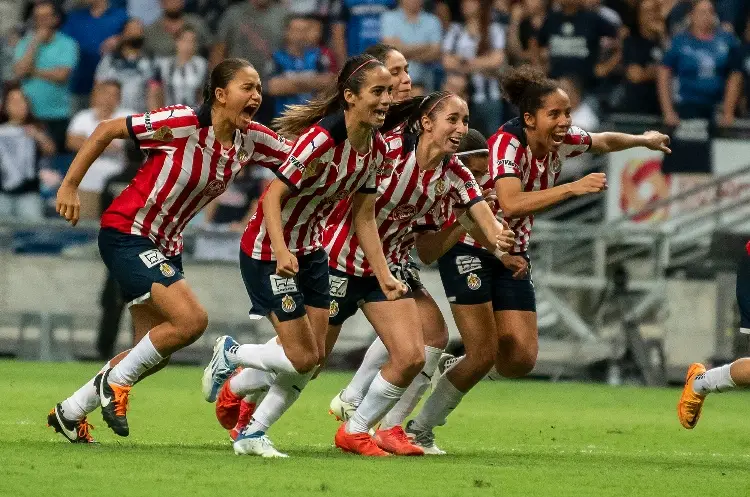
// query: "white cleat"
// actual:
[[341, 409], [219, 369], [255, 444], [423, 439]]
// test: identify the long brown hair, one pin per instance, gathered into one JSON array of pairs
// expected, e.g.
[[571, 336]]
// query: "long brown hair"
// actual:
[[296, 118]]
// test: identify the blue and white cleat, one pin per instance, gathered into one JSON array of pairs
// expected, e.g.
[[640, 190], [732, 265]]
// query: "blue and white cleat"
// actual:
[[219, 369], [255, 444]]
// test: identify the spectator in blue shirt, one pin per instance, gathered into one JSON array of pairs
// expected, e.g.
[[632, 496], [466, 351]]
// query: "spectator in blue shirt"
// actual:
[[301, 68], [96, 29], [43, 62], [416, 34], [696, 65], [356, 25]]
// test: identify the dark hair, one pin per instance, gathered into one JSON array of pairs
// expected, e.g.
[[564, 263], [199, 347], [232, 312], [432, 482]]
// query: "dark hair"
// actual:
[[525, 87], [380, 51], [221, 75], [411, 110], [474, 140], [7, 88], [296, 118]]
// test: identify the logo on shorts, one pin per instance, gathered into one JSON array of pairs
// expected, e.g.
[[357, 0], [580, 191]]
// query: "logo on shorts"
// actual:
[[338, 286], [467, 263], [403, 212], [243, 155], [215, 188], [440, 187], [473, 281], [166, 270], [163, 134], [152, 257], [281, 285], [333, 309], [288, 304]]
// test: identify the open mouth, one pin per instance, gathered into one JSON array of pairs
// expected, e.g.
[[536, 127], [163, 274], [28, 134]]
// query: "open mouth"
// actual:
[[248, 112], [558, 137], [455, 141], [380, 113]]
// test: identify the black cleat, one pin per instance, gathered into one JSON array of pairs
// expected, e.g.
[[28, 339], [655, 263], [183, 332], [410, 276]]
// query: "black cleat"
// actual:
[[114, 400], [77, 432]]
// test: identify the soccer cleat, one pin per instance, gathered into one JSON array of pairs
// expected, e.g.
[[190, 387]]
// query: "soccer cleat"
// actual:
[[255, 444], [395, 441], [358, 443], [246, 412], [690, 404], [423, 439], [219, 369], [114, 401], [228, 405], [341, 409], [77, 432]]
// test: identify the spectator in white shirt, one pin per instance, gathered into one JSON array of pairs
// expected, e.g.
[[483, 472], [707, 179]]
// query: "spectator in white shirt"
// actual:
[[181, 78]]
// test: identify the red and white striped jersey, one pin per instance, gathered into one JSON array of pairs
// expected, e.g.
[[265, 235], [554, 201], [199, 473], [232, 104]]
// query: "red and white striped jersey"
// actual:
[[444, 216], [322, 170], [405, 197], [511, 156], [185, 169]]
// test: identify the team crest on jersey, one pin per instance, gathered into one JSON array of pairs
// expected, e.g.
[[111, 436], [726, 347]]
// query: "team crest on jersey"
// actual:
[[333, 309], [215, 188], [288, 304], [440, 187], [403, 212], [312, 169], [243, 155], [163, 134], [556, 165], [385, 168], [473, 281], [166, 270]]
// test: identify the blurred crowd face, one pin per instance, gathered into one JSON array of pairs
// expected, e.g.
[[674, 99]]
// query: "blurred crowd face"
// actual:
[[173, 8], [17, 106], [650, 16], [45, 17], [105, 97], [187, 44], [703, 17], [412, 6], [133, 34], [571, 4], [533, 7], [470, 9], [296, 33], [314, 32]]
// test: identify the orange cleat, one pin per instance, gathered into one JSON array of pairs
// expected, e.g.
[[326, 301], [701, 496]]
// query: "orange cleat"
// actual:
[[228, 405], [395, 441], [690, 404], [246, 413], [358, 443]]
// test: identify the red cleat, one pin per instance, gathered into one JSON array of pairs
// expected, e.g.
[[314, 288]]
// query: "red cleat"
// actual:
[[228, 405], [395, 441], [358, 443], [246, 412]]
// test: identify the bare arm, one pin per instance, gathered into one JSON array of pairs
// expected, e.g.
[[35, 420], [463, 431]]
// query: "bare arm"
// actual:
[[423, 52], [46, 144], [489, 63], [366, 228], [515, 202], [431, 245], [664, 87], [603, 143], [290, 85], [732, 95], [25, 64]]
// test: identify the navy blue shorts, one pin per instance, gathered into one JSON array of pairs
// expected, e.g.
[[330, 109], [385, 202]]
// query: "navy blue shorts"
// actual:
[[743, 292], [136, 263], [286, 297], [472, 276], [348, 292]]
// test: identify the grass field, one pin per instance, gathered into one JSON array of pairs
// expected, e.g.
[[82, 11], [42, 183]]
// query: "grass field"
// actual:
[[508, 438]]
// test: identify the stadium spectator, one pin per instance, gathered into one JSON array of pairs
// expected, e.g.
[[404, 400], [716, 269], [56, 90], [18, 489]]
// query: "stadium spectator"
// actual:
[[739, 79], [300, 69], [181, 78], [11, 15], [526, 19], [161, 36], [697, 65], [416, 34], [476, 48], [458, 83], [733, 14], [105, 104], [627, 11], [570, 43], [356, 25], [97, 29], [675, 14], [43, 61], [148, 11], [642, 54], [22, 143], [210, 11], [132, 68]]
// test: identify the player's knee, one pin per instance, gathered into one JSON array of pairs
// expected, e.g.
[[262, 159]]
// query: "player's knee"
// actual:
[[303, 361], [193, 324], [480, 360], [410, 360], [518, 365]]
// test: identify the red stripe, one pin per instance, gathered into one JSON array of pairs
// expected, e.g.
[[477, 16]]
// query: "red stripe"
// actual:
[[161, 196]]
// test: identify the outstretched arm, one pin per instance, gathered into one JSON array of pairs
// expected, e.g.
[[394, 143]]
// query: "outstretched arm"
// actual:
[[604, 143]]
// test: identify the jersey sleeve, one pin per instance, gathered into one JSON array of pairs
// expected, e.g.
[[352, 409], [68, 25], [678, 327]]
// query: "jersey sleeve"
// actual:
[[576, 142], [309, 148], [506, 154], [270, 149], [158, 128], [464, 188]]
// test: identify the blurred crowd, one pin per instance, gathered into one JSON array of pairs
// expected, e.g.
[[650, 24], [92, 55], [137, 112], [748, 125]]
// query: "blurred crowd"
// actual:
[[66, 65]]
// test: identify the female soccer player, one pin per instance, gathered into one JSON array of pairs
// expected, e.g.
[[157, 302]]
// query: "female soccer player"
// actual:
[[493, 302], [192, 156], [424, 176], [699, 382], [284, 265]]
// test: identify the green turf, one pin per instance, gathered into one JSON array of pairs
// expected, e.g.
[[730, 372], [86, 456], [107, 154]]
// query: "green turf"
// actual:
[[508, 438]]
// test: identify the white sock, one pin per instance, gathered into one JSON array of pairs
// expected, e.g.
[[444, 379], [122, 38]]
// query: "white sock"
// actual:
[[439, 405], [714, 380], [251, 380], [375, 357], [267, 356], [140, 359], [280, 397], [414, 392], [380, 398], [83, 401]]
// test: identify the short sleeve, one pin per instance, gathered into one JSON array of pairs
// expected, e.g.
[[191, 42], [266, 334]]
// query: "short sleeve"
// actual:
[[67, 56], [506, 154], [306, 152], [270, 149], [576, 142], [463, 185], [157, 129]]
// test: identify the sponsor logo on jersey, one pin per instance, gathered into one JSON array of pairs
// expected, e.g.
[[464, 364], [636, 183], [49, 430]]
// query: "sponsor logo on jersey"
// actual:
[[163, 134], [507, 163], [299, 165]]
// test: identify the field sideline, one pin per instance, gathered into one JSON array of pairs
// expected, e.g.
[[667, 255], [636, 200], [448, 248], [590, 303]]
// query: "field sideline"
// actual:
[[508, 438]]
